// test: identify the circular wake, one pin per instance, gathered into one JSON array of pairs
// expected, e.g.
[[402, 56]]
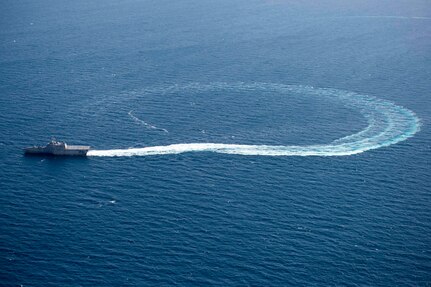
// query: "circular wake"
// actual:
[[387, 124]]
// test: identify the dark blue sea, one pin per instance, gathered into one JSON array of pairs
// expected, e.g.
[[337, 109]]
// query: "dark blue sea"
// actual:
[[234, 143]]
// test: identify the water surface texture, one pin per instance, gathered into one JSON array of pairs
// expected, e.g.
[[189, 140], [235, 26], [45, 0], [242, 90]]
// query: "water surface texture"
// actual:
[[235, 143]]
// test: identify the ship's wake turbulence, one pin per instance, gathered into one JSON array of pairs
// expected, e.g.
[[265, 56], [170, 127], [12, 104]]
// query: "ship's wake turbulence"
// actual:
[[387, 124]]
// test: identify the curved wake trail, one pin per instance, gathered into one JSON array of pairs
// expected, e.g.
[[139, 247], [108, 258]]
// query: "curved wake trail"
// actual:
[[387, 124], [145, 124]]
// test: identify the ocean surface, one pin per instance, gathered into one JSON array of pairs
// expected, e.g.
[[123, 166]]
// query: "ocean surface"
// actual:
[[234, 143]]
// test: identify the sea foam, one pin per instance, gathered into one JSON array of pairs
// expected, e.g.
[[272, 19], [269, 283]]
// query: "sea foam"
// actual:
[[388, 124]]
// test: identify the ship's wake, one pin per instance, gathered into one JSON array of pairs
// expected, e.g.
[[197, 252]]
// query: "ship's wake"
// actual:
[[145, 124], [387, 124]]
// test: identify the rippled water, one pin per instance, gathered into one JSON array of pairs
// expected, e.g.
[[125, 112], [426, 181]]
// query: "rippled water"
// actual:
[[229, 98]]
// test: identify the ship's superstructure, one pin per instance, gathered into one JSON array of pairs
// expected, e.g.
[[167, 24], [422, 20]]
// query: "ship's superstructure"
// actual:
[[58, 148]]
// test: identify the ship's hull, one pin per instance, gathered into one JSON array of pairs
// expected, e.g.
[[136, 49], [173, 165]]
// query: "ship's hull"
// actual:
[[64, 152]]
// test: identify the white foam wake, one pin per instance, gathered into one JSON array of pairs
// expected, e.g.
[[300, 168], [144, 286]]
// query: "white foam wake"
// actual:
[[387, 124], [387, 17], [145, 124]]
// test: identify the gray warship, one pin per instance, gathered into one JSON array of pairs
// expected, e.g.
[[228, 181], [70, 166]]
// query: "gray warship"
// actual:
[[58, 148]]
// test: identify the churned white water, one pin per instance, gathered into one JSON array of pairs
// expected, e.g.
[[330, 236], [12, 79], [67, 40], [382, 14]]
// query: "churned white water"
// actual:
[[388, 124]]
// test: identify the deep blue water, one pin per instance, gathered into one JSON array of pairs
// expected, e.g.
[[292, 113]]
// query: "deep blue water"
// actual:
[[131, 74]]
